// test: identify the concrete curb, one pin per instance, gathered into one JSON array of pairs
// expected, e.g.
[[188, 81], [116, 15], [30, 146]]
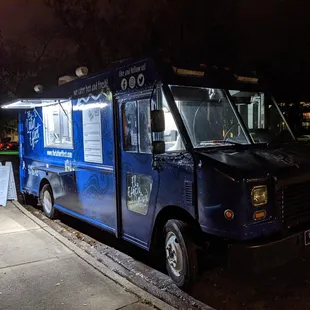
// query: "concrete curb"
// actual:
[[146, 278], [100, 266]]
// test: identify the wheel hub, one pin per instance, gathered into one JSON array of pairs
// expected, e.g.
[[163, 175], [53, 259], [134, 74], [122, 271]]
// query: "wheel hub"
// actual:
[[174, 254], [47, 201]]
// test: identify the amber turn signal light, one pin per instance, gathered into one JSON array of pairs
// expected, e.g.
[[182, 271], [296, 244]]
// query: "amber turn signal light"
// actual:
[[259, 215], [229, 215]]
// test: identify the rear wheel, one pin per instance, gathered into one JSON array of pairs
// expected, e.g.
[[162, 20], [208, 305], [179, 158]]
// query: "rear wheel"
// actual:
[[181, 256], [47, 201]]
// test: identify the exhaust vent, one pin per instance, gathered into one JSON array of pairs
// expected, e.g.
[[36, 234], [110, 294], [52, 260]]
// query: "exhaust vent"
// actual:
[[66, 79]]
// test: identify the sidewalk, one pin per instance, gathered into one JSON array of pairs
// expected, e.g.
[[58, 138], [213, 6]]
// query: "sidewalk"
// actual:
[[37, 271]]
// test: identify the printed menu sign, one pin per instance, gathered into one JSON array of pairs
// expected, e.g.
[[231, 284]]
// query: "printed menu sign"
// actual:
[[92, 135]]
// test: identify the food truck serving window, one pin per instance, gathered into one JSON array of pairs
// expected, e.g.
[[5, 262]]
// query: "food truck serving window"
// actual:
[[57, 121]]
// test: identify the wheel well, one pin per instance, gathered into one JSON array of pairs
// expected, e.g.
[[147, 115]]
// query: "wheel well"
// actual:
[[43, 182], [177, 213]]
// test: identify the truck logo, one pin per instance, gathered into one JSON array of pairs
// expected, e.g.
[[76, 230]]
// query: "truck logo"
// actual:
[[124, 84], [139, 189], [132, 82], [32, 129], [140, 79]]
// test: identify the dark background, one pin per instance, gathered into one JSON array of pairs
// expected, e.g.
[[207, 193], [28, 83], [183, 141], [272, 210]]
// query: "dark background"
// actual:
[[42, 40]]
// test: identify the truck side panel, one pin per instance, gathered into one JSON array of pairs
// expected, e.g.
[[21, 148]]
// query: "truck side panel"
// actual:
[[89, 191]]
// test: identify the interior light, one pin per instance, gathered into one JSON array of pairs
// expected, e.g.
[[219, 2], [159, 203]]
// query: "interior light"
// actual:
[[188, 72], [246, 79], [87, 106], [31, 103]]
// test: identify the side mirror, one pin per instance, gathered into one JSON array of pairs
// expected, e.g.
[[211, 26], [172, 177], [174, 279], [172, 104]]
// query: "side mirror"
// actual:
[[158, 120], [158, 147]]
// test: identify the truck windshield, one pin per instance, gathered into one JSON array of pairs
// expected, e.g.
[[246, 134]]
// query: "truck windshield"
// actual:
[[212, 117]]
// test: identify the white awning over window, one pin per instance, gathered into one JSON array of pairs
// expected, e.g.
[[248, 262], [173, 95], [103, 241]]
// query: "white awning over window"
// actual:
[[21, 104]]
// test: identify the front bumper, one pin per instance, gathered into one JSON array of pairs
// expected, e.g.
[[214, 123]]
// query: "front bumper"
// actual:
[[260, 256]]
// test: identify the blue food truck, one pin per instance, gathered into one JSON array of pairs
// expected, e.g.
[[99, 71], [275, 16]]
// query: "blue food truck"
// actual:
[[170, 156]]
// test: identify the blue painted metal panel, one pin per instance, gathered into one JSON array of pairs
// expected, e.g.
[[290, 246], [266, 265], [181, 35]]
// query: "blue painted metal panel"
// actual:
[[84, 218], [139, 186], [89, 192], [177, 185]]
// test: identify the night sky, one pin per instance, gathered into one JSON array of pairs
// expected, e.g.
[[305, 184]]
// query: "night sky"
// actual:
[[267, 28], [273, 32], [277, 24], [17, 16]]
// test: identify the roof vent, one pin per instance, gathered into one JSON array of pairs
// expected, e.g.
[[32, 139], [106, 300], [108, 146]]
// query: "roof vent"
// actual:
[[66, 79], [38, 88], [81, 71]]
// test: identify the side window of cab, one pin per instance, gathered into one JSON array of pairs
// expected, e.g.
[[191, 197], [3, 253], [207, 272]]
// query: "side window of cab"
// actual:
[[171, 135], [137, 126]]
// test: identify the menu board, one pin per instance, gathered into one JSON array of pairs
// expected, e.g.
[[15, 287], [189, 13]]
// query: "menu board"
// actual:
[[4, 184], [92, 137]]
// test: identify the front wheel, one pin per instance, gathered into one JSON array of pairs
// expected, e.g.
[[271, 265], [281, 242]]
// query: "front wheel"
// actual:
[[181, 255], [47, 201]]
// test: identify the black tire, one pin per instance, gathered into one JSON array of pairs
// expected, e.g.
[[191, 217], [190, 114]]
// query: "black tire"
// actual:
[[188, 264], [49, 210]]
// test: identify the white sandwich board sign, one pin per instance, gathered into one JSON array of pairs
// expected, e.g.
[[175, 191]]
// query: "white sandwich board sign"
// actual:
[[4, 184], [7, 184], [12, 194]]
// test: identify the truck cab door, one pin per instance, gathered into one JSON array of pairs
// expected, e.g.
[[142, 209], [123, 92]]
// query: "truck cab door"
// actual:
[[139, 182]]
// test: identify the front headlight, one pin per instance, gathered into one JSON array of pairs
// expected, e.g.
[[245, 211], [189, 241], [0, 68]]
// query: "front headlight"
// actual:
[[259, 195]]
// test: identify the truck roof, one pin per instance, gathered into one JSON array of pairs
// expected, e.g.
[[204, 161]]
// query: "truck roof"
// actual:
[[130, 75]]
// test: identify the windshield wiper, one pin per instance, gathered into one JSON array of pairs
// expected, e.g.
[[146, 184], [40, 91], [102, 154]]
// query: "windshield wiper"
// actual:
[[219, 141], [227, 142]]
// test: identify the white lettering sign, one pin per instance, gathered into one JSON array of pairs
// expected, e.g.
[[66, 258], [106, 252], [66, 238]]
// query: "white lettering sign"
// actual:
[[58, 153], [94, 87], [129, 76], [32, 171], [132, 70], [138, 193]]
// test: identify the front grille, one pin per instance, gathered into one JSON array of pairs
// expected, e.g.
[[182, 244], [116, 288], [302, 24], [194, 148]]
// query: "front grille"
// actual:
[[295, 204]]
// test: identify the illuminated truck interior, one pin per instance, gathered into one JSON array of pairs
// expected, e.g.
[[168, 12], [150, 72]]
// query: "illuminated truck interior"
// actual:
[[214, 117]]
